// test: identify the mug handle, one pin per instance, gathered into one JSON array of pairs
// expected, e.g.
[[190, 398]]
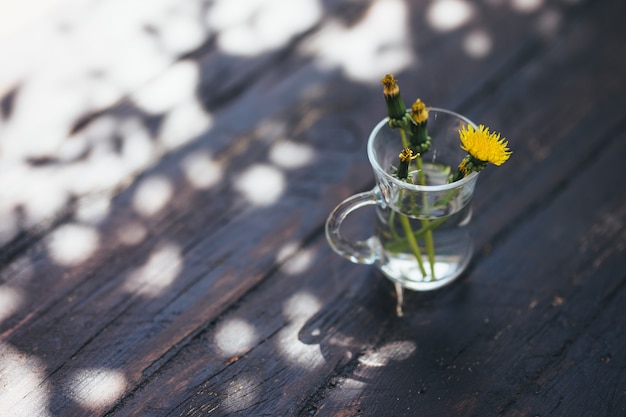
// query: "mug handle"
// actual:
[[361, 251]]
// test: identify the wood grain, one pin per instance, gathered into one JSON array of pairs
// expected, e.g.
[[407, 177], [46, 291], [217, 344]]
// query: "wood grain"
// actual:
[[224, 306]]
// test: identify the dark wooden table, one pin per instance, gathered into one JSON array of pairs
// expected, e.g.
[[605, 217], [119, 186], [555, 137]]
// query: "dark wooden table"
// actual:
[[166, 171]]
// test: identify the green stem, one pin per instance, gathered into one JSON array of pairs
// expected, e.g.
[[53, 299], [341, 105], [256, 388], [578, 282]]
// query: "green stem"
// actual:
[[392, 228], [401, 245], [408, 232], [428, 239], [405, 142]]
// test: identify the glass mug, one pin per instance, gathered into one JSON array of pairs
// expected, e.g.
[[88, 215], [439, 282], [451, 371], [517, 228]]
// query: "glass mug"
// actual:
[[421, 239]]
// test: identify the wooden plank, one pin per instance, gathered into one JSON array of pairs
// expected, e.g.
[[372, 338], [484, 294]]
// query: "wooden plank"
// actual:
[[273, 355], [152, 338], [498, 342], [529, 275], [211, 394]]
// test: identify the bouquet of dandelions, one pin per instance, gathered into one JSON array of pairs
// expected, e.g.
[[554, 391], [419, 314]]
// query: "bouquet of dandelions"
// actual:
[[481, 145]]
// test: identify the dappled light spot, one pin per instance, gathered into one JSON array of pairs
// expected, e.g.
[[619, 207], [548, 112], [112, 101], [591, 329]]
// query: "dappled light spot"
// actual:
[[296, 352], [138, 146], [291, 155], [301, 306], [98, 130], [526, 6], [352, 389], [183, 124], [71, 149], [25, 376], [549, 22], [298, 263], [72, 244], [394, 351], [235, 336], [158, 273], [294, 260], [477, 44], [285, 252], [174, 86], [41, 193], [132, 234], [95, 388], [11, 300], [101, 171], [252, 27], [23, 14], [261, 185], [298, 309], [179, 29], [241, 393], [201, 170], [152, 195], [447, 15], [37, 98], [128, 64], [94, 210], [8, 226], [376, 45]]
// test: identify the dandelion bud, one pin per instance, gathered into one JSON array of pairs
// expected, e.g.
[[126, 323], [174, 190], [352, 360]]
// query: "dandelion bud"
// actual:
[[420, 141], [406, 156], [396, 110]]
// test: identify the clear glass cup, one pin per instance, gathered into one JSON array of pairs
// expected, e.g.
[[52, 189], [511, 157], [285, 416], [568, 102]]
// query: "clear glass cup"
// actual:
[[421, 239]]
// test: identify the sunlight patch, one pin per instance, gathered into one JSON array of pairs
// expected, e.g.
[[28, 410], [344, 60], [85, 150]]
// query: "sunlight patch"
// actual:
[[298, 263], [396, 351], [369, 48], [291, 154], [95, 388], [183, 124], [180, 29], [138, 146], [10, 301], [235, 336], [261, 185], [447, 15], [287, 251], [201, 170], [549, 22], [301, 306], [94, 210], [296, 352], [8, 227], [174, 86], [241, 393], [252, 27], [152, 195], [526, 6], [132, 234], [477, 44], [158, 273], [43, 193], [25, 391], [72, 244]]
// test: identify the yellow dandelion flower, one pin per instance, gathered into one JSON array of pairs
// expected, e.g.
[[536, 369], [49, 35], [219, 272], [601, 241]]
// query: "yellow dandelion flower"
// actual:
[[484, 146], [407, 155], [419, 113], [463, 167]]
